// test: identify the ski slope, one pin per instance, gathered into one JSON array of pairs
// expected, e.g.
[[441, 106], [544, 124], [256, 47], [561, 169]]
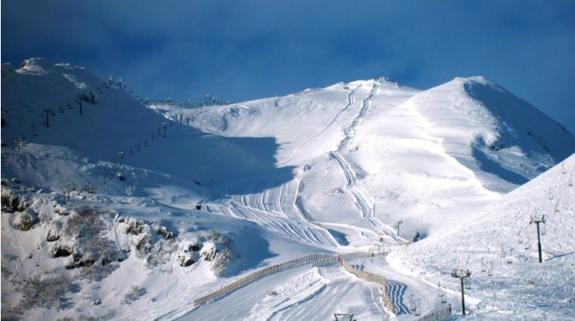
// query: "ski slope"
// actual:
[[327, 169], [386, 153]]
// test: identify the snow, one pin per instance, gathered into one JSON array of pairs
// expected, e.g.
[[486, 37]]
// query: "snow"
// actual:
[[499, 238], [327, 169], [295, 291]]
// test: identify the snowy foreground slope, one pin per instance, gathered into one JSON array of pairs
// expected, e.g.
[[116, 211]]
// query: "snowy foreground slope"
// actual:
[[100, 216], [499, 246]]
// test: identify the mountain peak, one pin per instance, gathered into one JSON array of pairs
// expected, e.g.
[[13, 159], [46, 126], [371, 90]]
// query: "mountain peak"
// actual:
[[503, 134], [472, 79]]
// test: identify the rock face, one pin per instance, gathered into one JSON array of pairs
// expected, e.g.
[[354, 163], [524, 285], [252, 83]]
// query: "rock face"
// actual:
[[218, 250], [60, 250], [212, 247], [89, 244]]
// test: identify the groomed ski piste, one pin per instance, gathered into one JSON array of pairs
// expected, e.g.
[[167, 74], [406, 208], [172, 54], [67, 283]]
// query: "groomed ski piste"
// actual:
[[236, 190]]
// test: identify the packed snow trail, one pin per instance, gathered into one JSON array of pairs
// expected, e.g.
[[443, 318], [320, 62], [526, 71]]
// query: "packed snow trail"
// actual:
[[341, 294], [301, 291]]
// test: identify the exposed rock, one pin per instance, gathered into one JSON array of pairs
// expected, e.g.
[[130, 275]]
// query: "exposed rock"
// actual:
[[163, 232], [196, 247], [135, 227], [13, 203], [60, 250], [185, 260], [143, 244], [52, 236]]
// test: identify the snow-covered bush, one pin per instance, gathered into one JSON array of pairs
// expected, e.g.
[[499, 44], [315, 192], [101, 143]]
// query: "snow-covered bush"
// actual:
[[24, 221], [60, 209]]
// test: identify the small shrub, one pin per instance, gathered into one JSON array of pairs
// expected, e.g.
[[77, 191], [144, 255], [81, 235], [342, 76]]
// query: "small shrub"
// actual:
[[14, 203], [52, 236], [24, 221]]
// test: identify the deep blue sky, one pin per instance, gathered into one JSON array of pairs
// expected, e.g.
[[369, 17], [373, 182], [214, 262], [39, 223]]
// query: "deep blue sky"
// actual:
[[244, 49]]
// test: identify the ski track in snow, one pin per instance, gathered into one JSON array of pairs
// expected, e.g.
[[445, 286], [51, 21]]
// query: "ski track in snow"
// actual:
[[350, 102], [361, 199], [396, 291], [281, 209], [277, 209]]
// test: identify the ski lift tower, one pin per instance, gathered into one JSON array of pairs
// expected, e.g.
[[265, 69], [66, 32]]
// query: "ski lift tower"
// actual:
[[343, 317]]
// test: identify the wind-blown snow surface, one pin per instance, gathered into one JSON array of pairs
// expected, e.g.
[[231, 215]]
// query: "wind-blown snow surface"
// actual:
[[329, 169], [500, 241]]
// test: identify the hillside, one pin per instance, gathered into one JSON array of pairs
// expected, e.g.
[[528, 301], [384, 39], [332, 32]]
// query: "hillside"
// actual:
[[99, 121], [116, 210], [89, 232], [385, 153], [499, 246]]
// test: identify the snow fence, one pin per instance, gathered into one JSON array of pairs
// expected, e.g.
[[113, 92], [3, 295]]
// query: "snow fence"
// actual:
[[374, 278], [316, 259], [437, 315]]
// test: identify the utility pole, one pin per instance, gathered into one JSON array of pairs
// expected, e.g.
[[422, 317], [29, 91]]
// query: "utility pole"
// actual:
[[398, 224], [120, 157], [47, 116], [461, 274], [68, 188], [538, 220]]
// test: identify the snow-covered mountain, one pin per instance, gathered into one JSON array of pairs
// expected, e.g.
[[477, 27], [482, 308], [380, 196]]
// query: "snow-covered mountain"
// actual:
[[337, 169], [100, 121], [375, 151]]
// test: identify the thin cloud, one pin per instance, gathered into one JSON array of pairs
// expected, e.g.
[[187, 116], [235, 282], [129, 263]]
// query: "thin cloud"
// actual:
[[248, 49]]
